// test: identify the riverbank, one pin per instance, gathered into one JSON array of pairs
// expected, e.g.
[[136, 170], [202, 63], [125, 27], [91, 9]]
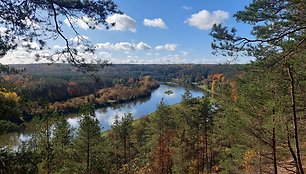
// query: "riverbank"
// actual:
[[104, 97], [120, 93], [106, 115]]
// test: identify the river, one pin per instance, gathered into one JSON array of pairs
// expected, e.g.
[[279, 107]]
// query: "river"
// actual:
[[137, 108]]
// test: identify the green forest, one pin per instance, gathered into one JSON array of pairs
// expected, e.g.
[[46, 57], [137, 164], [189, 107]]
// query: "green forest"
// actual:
[[250, 120]]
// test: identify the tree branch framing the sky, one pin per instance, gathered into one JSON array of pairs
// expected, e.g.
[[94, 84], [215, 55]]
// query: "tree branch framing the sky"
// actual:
[[277, 26], [32, 23]]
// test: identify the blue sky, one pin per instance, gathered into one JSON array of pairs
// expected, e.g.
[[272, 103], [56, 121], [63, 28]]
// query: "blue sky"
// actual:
[[155, 31]]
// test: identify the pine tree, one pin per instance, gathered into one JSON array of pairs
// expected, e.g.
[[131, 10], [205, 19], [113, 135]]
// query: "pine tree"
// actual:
[[87, 142], [62, 141], [279, 44], [162, 156], [122, 134]]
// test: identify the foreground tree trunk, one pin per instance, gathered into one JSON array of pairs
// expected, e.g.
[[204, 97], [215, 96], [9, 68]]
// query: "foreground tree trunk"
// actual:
[[298, 162]]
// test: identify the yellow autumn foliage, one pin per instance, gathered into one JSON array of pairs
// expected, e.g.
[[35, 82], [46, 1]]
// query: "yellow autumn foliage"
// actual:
[[10, 96], [248, 159]]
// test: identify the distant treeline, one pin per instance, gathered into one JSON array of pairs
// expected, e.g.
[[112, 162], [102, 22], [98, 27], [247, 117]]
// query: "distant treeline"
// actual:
[[160, 72], [60, 82]]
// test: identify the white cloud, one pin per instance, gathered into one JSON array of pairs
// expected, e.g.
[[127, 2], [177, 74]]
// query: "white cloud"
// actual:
[[123, 46], [169, 47], [126, 46], [79, 38], [22, 56], [106, 45], [105, 54], [83, 22], [142, 46], [187, 7], [57, 47], [122, 22], [185, 53], [154, 23], [204, 20], [31, 45], [30, 23]]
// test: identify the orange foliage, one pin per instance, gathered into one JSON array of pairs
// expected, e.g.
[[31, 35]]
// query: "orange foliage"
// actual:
[[118, 93], [162, 156], [216, 76], [233, 91], [248, 160], [7, 78]]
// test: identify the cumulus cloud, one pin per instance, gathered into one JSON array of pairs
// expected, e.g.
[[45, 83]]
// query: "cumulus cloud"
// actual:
[[122, 22], [31, 45], [123, 46], [79, 38], [106, 45], [169, 47], [204, 20], [82, 22], [105, 54], [22, 56], [142, 46], [57, 47], [126, 46], [30, 23], [154, 23]]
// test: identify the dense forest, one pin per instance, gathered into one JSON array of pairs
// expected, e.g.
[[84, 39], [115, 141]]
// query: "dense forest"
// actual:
[[161, 72], [62, 88]]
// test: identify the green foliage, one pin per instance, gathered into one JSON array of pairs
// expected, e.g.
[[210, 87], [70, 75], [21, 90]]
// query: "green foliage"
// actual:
[[275, 23], [23, 161], [168, 92], [122, 131], [7, 126], [87, 141], [62, 146], [268, 95], [186, 97]]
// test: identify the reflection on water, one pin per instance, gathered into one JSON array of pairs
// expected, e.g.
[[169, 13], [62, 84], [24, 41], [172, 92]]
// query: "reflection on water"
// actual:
[[13, 140], [137, 108]]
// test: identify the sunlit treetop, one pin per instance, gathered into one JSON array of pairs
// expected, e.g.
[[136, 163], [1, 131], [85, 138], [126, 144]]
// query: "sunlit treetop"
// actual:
[[9, 95]]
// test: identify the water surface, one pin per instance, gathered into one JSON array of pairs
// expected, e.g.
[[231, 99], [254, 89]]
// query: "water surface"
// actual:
[[106, 115], [140, 107]]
